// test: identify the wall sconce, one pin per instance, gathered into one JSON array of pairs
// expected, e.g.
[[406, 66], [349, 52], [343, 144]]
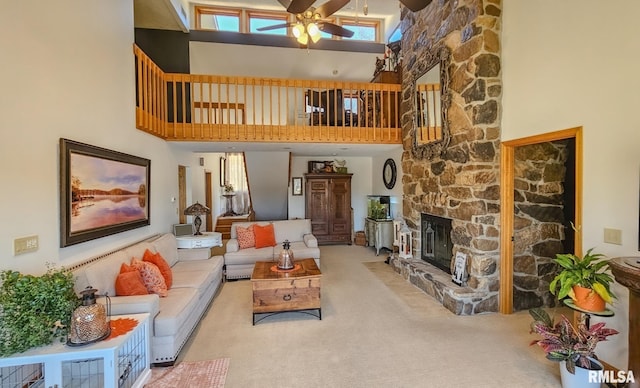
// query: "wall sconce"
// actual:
[[197, 210]]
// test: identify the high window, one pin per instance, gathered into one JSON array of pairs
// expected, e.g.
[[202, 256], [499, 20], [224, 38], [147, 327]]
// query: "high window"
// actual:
[[217, 19], [249, 21]]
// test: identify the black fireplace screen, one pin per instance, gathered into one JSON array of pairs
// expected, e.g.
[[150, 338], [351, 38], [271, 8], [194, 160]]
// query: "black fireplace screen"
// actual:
[[437, 248]]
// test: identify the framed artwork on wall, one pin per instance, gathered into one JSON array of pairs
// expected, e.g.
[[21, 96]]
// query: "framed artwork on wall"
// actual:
[[102, 192], [296, 186]]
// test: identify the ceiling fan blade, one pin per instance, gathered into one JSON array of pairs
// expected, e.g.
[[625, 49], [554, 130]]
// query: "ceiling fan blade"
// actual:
[[285, 3], [331, 6], [299, 6], [335, 29], [415, 5], [275, 27]]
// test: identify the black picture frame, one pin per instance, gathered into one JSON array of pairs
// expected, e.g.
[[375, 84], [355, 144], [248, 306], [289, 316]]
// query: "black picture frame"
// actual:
[[389, 173], [320, 166], [296, 186], [102, 192]]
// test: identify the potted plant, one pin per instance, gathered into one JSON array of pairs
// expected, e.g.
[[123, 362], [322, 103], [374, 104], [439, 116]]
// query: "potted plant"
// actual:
[[585, 280], [34, 310], [573, 346]]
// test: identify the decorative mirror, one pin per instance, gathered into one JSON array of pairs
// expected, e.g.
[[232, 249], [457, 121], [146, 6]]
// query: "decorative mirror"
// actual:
[[430, 87], [389, 173]]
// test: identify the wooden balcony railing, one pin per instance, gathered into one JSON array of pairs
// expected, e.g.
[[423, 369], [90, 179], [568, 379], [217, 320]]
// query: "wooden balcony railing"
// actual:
[[193, 107]]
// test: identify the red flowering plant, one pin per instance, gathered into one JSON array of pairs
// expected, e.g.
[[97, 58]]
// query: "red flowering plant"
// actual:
[[563, 341]]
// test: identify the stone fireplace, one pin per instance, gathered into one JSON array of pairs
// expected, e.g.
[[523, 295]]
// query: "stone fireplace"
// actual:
[[459, 182], [435, 234]]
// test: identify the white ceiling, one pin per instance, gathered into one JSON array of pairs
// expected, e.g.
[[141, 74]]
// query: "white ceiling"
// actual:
[[297, 149]]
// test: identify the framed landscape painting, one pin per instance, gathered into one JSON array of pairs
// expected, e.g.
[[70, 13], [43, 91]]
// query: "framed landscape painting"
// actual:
[[102, 192]]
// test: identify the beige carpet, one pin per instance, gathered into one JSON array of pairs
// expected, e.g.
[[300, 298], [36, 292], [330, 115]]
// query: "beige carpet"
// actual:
[[377, 330], [199, 374]]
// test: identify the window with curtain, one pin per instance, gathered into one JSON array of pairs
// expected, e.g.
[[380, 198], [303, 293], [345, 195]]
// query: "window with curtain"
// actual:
[[236, 176]]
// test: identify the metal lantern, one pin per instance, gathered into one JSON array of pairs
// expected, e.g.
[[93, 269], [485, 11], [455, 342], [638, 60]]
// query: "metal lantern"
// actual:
[[90, 321], [406, 244], [286, 256]]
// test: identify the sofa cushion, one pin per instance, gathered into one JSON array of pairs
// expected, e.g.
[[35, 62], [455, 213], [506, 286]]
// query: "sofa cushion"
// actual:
[[210, 265], [265, 236], [245, 224], [129, 282], [137, 250], [301, 251], [102, 273], [175, 310], [292, 230], [193, 279], [151, 277], [246, 237], [167, 246], [159, 261], [248, 256]]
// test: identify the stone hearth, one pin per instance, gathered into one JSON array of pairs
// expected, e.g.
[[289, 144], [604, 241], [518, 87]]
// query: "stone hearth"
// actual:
[[438, 284]]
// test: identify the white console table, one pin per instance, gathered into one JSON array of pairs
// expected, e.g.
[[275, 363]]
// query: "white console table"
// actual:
[[122, 361], [204, 240], [379, 234]]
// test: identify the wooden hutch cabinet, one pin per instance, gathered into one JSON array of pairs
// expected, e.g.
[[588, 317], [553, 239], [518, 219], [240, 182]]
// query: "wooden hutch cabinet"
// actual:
[[328, 206]]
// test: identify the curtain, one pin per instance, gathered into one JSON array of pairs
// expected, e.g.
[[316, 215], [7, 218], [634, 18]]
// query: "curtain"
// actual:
[[236, 176]]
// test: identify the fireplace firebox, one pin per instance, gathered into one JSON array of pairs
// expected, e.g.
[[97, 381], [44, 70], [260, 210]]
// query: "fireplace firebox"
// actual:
[[436, 245]]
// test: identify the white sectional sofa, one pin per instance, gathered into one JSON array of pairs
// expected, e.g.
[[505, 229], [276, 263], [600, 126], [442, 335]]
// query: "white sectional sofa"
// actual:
[[239, 263], [196, 278]]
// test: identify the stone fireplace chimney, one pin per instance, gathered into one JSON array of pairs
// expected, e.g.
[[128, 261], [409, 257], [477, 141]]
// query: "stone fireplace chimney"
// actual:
[[459, 182]]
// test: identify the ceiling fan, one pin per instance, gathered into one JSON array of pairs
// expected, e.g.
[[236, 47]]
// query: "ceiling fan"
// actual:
[[310, 21]]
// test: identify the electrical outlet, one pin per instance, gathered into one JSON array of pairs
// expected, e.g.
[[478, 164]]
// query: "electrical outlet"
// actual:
[[613, 236], [25, 245]]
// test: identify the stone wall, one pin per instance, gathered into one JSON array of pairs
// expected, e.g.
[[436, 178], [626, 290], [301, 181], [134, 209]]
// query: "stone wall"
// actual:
[[539, 185], [461, 180]]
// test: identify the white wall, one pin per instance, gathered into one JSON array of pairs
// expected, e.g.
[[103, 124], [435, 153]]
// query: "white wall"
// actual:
[[378, 187], [280, 62], [67, 71], [574, 63], [360, 167]]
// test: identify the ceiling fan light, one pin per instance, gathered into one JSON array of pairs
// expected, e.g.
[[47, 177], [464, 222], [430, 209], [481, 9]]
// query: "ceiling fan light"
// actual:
[[298, 30], [303, 39], [315, 38], [313, 30]]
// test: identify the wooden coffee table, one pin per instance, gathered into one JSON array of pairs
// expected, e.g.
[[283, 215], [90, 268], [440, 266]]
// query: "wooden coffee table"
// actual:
[[276, 291]]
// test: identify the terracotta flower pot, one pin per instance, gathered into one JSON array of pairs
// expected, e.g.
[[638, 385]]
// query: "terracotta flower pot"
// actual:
[[588, 299]]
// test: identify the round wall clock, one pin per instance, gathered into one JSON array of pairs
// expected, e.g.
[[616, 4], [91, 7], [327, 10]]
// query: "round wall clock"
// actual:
[[389, 173]]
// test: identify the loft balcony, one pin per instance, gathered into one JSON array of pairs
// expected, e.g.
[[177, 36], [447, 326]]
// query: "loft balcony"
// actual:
[[190, 107]]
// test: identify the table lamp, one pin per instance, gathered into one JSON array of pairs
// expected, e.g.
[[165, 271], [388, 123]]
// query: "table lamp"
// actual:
[[197, 210]]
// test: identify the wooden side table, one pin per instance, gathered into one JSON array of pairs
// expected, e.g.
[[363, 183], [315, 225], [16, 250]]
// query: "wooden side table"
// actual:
[[277, 291]]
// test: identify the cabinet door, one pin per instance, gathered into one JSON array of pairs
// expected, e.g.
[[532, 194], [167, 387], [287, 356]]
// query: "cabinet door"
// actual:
[[317, 208], [340, 210]]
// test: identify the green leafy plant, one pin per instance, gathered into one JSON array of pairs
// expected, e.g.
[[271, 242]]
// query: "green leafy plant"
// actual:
[[562, 341], [589, 271], [34, 310]]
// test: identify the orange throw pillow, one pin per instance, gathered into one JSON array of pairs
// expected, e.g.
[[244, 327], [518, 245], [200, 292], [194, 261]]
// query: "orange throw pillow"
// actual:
[[246, 237], [129, 282], [161, 263], [151, 277], [265, 236]]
